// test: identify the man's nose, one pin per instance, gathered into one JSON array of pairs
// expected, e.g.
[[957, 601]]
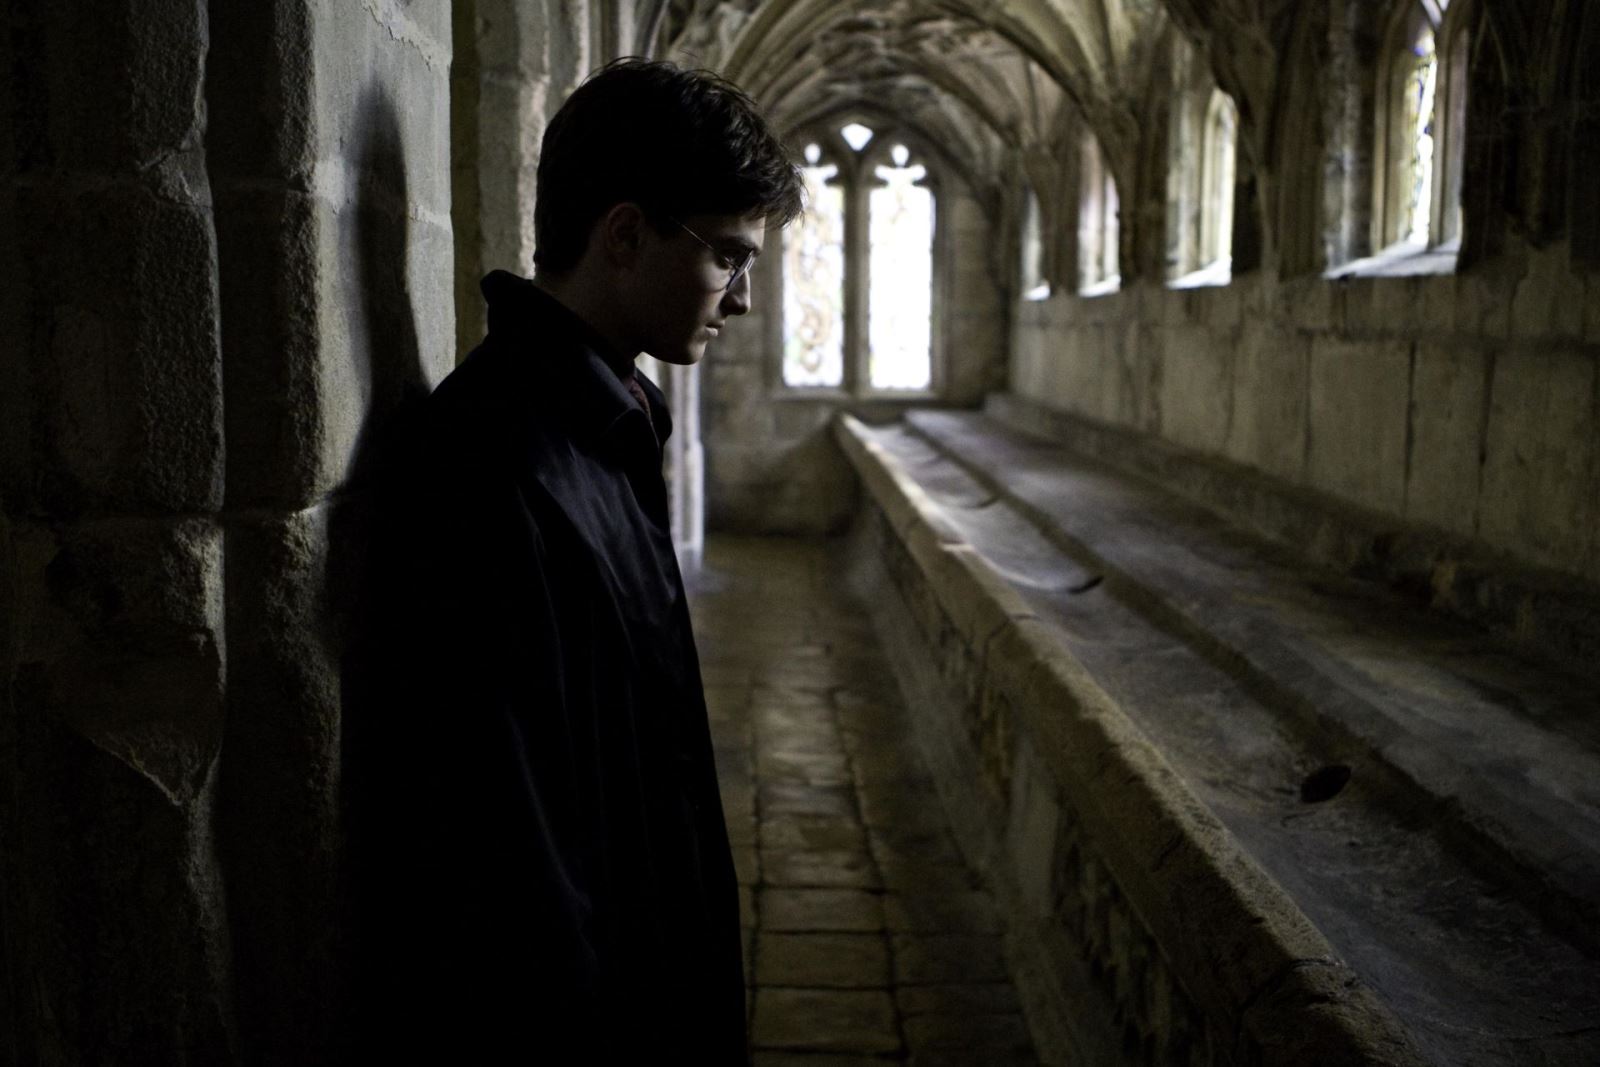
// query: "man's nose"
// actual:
[[736, 301]]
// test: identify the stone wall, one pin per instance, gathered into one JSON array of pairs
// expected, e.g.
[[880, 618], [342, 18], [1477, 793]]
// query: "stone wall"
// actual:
[[1462, 402], [771, 465], [229, 230]]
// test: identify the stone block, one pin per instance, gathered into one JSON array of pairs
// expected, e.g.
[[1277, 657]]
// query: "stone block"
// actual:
[[118, 319], [1540, 484], [1447, 396], [968, 1000], [822, 960], [1220, 306], [120, 639], [1438, 304], [1483, 305], [953, 1040], [1358, 410], [1032, 831], [1548, 301], [120, 928], [293, 584], [923, 959], [824, 869], [821, 910], [1196, 388], [112, 97], [822, 1020], [1268, 427], [259, 83], [1310, 303]]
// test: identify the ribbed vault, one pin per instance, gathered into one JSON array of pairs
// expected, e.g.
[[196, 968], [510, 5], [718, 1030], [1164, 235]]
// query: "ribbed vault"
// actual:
[[987, 83]]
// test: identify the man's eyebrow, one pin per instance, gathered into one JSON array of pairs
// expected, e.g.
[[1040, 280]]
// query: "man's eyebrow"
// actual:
[[742, 244]]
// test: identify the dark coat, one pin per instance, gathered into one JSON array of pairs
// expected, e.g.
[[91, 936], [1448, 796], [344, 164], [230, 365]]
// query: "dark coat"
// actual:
[[543, 872]]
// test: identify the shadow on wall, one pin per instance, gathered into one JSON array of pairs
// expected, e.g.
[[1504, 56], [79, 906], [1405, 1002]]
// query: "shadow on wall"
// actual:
[[385, 350], [296, 602]]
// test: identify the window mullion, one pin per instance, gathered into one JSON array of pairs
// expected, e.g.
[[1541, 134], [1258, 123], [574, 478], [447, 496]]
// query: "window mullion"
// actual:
[[857, 235]]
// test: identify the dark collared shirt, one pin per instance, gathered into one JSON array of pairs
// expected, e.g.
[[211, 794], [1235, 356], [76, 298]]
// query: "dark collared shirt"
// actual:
[[573, 889]]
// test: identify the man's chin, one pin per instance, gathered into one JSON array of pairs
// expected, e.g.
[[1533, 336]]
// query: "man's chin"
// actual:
[[683, 357]]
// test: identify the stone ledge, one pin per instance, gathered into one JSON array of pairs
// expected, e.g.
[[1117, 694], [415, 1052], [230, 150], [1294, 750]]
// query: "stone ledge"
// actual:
[[1269, 988], [1550, 616]]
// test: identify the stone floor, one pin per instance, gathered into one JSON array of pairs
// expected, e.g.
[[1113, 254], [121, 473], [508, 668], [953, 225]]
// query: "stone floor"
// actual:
[[867, 939]]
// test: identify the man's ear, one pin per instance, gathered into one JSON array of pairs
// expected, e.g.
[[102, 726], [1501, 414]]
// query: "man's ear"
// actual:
[[621, 233]]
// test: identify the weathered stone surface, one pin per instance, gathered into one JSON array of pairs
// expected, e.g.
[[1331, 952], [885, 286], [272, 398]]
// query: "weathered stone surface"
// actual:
[[821, 910], [923, 959], [1447, 426], [1541, 478], [825, 1020], [291, 690], [1357, 428], [961, 1000], [1270, 390], [822, 960], [831, 868]]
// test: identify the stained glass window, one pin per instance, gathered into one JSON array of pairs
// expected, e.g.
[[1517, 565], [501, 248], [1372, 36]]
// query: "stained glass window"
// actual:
[[900, 313], [813, 283], [1421, 78]]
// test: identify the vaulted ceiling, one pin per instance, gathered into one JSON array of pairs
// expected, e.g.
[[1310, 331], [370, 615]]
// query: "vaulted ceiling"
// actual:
[[976, 78]]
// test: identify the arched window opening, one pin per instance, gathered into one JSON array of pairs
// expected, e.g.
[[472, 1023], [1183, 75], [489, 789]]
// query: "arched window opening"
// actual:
[[1422, 120], [900, 311], [1034, 285], [1099, 230], [1202, 153], [858, 267], [813, 281], [1217, 181]]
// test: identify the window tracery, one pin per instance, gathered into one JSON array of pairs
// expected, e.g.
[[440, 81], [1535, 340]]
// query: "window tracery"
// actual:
[[858, 267], [813, 289], [1202, 151], [1421, 126]]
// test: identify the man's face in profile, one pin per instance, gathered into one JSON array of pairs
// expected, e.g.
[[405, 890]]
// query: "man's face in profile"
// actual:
[[682, 298]]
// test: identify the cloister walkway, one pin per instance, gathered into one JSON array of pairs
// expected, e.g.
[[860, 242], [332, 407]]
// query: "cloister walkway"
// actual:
[[867, 938]]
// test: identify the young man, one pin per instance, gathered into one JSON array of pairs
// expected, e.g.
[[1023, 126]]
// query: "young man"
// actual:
[[559, 886]]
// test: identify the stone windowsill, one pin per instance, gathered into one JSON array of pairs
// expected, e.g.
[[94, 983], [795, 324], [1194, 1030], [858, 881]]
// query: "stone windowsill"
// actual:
[[1404, 259]]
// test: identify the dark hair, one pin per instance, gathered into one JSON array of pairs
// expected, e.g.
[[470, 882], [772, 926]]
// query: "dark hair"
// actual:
[[675, 142]]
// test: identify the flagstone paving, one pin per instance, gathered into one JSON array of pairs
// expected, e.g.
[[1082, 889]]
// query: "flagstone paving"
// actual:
[[867, 939]]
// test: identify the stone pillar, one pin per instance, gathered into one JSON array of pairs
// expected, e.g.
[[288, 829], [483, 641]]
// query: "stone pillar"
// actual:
[[500, 101], [329, 156], [112, 639], [227, 255]]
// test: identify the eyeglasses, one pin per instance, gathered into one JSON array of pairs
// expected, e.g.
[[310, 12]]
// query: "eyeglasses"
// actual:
[[736, 268]]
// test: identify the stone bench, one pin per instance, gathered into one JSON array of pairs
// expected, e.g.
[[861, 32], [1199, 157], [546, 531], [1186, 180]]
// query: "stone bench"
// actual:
[[1239, 808]]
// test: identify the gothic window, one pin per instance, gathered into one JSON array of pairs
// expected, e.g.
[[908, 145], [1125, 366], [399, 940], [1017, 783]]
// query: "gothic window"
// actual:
[[1202, 148], [1034, 285], [1098, 226], [813, 290], [900, 311], [1218, 155], [858, 267], [1421, 123]]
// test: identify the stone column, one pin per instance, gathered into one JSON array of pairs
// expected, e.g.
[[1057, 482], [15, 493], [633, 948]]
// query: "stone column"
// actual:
[[500, 101], [329, 155], [112, 639]]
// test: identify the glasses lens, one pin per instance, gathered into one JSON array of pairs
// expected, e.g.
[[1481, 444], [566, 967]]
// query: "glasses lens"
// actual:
[[741, 266]]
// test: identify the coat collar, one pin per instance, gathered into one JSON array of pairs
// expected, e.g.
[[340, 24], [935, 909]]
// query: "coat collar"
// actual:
[[574, 362]]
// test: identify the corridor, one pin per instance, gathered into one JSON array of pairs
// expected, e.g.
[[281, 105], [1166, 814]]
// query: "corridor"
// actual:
[[867, 938]]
